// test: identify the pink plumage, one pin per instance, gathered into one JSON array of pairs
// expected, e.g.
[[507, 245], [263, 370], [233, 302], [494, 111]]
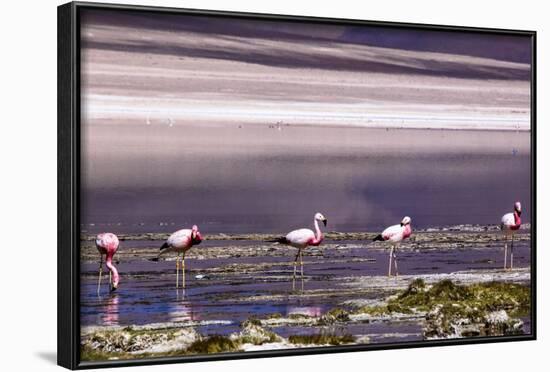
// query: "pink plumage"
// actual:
[[107, 244], [509, 224], [180, 242], [394, 235], [301, 239], [397, 233], [512, 221]]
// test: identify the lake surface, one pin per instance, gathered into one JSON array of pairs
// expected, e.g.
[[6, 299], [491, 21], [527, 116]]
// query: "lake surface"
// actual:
[[265, 178]]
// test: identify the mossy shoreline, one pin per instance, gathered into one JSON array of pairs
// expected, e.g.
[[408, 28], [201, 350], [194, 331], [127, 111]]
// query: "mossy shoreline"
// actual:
[[129, 343], [445, 309]]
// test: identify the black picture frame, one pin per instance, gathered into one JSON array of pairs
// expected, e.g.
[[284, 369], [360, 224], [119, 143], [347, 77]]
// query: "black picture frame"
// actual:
[[68, 93]]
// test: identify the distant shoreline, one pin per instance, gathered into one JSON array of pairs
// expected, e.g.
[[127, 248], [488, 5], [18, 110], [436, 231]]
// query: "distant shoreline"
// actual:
[[371, 126], [330, 235]]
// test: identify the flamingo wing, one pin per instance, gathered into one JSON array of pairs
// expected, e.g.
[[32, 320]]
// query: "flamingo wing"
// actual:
[[300, 238], [180, 238], [393, 233], [508, 221], [107, 241]]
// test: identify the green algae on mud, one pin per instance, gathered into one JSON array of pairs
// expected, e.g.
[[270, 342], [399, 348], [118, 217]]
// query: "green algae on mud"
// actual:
[[477, 302], [334, 315], [253, 333], [124, 344], [127, 343], [214, 344], [454, 310], [322, 339], [490, 296]]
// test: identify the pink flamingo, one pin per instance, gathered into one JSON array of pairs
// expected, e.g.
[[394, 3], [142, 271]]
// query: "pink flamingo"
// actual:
[[180, 242], [107, 244], [510, 222], [394, 235], [301, 239]]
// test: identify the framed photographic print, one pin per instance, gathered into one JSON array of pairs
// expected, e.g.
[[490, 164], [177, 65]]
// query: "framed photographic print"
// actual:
[[236, 185]]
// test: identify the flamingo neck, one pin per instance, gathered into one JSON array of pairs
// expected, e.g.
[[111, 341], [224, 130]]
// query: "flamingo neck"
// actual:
[[517, 219], [407, 231], [114, 271], [318, 234]]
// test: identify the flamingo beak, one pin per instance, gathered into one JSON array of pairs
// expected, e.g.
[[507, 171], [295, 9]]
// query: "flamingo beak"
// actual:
[[114, 287], [325, 222]]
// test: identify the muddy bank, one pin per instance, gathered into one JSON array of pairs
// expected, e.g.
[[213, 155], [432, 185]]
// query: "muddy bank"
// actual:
[[219, 245], [330, 235], [380, 285]]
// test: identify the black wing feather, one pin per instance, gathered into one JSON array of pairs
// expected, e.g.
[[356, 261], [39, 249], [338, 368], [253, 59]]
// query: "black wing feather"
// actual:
[[281, 240], [378, 238]]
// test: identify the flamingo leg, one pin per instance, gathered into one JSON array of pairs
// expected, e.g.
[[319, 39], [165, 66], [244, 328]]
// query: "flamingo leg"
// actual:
[[110, 279], [177, 270], [302, 269], [512, 253], [505, 250], [389, 266], [294, 274], [395, 262], [100, 273], [183, 270]]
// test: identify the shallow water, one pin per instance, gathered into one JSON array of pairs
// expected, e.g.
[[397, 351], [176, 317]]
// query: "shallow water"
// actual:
[[237, 288]]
